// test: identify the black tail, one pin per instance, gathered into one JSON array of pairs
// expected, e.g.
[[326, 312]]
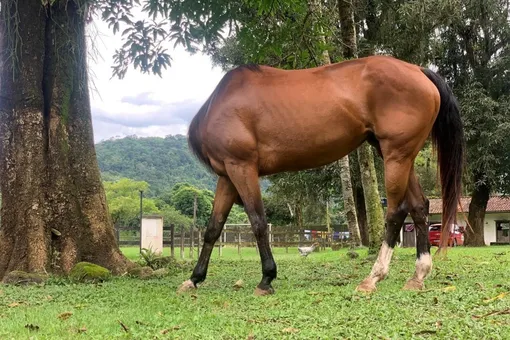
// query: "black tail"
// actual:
[[448, 140]]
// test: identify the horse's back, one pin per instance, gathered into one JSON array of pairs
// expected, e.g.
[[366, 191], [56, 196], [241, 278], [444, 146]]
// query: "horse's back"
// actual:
[[296, 119]]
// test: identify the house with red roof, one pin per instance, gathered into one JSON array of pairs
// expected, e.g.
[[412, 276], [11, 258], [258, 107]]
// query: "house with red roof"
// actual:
[[496, 223]]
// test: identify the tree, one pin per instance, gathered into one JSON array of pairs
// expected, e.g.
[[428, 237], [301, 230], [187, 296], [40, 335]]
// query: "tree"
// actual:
[[123, 197], [49, 175], [183, 198]]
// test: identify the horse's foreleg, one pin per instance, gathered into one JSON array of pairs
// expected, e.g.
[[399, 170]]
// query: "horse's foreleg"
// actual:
[[396, 180], [225, 196], [419, 209], [245, 178]]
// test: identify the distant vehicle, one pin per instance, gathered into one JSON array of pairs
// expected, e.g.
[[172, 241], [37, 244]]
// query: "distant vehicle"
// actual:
[[456, 236]]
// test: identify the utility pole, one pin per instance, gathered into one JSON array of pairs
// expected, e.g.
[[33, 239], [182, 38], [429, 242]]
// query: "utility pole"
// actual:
[[141, 216], [191, 250]]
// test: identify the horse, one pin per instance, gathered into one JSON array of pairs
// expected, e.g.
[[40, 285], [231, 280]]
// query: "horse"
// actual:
[[261, 120]]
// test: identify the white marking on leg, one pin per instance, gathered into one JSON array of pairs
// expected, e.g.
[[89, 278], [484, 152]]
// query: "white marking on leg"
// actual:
[[423, 266], [382, 265]]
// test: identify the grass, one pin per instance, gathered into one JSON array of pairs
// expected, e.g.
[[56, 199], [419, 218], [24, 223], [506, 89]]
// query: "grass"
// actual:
[[314, 298]]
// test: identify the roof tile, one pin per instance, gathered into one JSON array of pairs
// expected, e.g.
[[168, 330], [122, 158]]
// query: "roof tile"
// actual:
[[495, 204]]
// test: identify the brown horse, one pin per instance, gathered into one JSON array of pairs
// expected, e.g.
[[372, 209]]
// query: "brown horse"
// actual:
[[261, 120]]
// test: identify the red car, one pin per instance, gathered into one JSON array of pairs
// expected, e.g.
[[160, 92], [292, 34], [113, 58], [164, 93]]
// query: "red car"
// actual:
[[456, 237]]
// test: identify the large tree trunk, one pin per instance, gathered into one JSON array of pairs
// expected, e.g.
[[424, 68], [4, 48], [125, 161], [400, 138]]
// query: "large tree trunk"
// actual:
[[475, 233], [361, 211], [349, 205], [54, 210], [375, 216]]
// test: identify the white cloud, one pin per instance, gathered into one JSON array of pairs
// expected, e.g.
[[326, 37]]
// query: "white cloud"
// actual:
[[146, 105]]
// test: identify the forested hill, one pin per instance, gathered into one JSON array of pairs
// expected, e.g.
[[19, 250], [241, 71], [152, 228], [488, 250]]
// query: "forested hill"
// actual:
[[161, 162]]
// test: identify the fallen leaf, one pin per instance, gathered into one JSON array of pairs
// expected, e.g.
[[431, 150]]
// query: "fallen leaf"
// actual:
[[82, 329], [498, 297], [49, 298], [290, 330], [480, 286], [164, 331], [250, 337], [65, 315], [176, 327], [449, 289], [239, 284], [194, 296], [439, 324], [14, 304]]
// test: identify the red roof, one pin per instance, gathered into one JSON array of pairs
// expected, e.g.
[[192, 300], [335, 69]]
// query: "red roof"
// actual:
[[495, 204]]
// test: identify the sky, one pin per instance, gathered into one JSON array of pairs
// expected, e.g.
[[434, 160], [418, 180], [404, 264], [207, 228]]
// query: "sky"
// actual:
[[145, 105]]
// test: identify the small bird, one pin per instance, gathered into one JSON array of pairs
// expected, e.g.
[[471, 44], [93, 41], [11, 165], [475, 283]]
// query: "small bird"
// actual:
[[305, 251]]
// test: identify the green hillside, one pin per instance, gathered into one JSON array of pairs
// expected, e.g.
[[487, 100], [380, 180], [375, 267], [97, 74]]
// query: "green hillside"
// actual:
[[162, 162]]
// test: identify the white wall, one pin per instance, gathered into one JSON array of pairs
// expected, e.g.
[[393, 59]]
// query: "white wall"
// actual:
[[152, 234], [490, 225]]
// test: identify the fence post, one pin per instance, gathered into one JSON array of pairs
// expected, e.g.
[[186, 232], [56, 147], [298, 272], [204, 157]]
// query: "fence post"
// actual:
[[198, 242], [182, 241], [172, 240], [191, 243], [221, 241], [286, 244], [239, 240], [270, 236]]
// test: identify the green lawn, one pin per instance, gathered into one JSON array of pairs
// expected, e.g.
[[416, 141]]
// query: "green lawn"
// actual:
[[314, 298]]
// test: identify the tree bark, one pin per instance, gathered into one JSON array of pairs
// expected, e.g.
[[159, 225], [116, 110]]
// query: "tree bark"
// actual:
[[349, 206], [348, 29], [375, 216], [359, 200], [54, 212], [476, 217]]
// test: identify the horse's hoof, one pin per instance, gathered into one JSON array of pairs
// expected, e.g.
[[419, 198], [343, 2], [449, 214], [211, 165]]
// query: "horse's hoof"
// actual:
[[366, 287], [413, 284], [186, 286], [263, 292]]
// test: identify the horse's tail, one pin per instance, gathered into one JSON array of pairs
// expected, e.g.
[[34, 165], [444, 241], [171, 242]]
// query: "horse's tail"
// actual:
[[194, 138], [448, 140]]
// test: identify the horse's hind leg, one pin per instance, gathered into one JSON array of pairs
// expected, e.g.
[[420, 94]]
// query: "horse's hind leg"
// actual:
[[419, 209], [224, 198], [396, 181], [246, 179]]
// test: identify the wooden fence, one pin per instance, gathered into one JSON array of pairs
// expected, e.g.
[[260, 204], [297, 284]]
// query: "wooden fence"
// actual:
[[181, 239]]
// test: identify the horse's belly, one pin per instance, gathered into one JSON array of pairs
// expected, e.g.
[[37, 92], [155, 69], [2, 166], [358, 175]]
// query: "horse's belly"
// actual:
[[298, 153]]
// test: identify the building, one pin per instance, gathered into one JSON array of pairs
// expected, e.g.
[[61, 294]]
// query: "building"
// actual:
[[496, 224]]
